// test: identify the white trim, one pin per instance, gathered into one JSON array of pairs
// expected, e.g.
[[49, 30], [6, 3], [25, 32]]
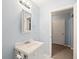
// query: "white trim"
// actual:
[[75, 32]]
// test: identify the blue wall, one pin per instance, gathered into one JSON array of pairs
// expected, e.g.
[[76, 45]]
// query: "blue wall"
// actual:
[[69, 30], [11, 27]]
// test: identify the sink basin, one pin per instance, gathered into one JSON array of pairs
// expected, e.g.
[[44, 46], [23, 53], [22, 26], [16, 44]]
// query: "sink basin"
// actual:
[[27, 42], [28, 46]]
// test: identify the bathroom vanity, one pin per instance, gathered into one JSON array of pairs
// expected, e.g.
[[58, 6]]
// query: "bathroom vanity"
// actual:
[[29, 50]]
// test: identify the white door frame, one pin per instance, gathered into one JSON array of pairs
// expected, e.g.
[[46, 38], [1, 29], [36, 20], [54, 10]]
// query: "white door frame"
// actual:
[[74, 28]]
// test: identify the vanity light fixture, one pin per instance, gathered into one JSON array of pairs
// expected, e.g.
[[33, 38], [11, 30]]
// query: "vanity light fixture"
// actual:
[[25, 5]]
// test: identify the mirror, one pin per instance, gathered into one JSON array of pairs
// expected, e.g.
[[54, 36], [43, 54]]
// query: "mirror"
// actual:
[[26, 21]]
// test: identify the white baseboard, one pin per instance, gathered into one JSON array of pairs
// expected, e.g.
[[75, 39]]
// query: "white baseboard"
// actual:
[[69, 46]]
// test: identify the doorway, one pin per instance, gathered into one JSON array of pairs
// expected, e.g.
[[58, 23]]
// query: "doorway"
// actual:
[[62, 34]]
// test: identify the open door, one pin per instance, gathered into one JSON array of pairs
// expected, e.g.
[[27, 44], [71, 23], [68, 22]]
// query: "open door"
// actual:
[[58, 30]]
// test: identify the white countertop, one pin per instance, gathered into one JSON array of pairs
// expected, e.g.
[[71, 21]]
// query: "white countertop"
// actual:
[[29, 47]]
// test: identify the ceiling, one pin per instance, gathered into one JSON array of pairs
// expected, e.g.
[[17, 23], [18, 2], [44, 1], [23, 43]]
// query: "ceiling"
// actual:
[[40, 2]]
